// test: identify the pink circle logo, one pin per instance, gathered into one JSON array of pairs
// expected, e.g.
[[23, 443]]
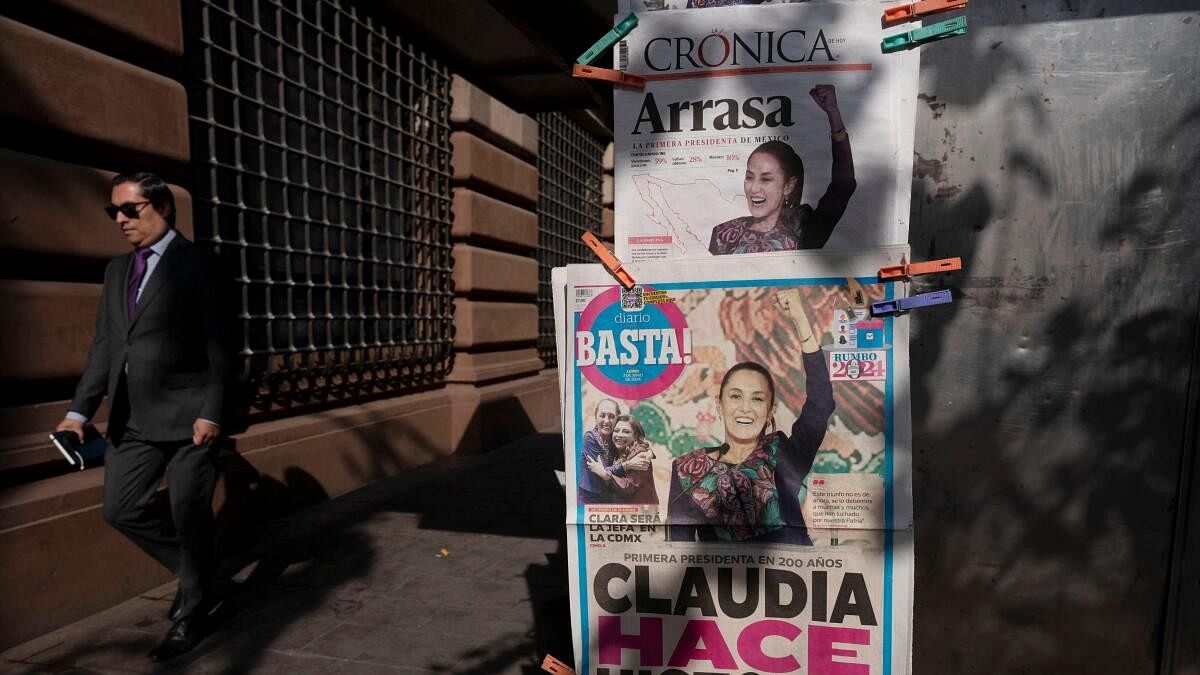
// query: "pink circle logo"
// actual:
[[630, 349]]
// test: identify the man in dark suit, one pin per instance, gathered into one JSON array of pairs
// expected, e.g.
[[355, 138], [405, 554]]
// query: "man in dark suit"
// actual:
[[160, 356]]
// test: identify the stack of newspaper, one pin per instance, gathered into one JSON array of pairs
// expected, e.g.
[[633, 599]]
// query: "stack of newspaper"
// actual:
[[736, 426]]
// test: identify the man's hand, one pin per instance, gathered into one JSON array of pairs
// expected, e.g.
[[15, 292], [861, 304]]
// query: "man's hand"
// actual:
[[204, 433], [69, 424]]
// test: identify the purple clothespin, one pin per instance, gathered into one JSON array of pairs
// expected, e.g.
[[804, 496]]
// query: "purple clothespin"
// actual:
[[941, 297]]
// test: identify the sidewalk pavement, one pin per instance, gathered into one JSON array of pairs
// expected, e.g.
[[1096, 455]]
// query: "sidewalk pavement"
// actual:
[[456, 567]]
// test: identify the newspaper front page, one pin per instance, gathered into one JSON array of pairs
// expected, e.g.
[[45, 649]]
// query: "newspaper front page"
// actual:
[[736, 437], [762, 128]]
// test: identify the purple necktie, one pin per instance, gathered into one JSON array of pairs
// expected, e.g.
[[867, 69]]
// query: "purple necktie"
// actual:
[[135, 278]]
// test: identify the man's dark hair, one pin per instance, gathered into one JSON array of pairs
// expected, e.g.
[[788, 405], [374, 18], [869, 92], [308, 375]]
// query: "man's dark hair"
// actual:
[[154, 190]]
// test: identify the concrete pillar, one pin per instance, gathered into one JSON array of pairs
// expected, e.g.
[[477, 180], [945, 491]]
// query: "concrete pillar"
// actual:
[[496, 365]]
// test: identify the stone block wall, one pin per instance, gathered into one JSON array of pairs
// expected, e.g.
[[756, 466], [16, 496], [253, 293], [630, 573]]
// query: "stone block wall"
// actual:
[[93, 89]]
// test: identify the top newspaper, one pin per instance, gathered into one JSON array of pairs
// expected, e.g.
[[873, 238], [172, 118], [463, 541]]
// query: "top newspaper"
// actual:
[[760, 129]]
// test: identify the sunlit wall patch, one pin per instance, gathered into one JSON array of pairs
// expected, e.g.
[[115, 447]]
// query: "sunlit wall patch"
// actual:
[[631, 349]]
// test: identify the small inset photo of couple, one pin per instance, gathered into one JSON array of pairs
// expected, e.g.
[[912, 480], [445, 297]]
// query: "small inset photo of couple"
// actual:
[[617, 459]]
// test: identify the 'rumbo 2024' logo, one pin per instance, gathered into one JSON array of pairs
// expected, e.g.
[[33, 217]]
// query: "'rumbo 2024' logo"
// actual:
[[631, 350]]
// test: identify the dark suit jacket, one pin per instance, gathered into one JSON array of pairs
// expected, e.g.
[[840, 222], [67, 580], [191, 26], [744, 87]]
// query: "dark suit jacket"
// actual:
[[175, 345]]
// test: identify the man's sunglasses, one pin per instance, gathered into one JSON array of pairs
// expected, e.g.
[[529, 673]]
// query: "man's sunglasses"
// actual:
[[130, 209]]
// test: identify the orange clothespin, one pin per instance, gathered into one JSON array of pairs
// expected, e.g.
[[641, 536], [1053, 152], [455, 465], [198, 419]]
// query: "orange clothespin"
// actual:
[[912, 10], [914, 269], [553, 665], [609, 260], [607, 74]]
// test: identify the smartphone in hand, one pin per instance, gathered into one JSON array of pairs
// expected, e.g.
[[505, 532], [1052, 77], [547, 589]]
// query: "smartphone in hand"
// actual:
[[80, 455]]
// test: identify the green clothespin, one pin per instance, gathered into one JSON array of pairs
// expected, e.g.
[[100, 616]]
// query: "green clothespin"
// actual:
[[610, 38], [918, 36]]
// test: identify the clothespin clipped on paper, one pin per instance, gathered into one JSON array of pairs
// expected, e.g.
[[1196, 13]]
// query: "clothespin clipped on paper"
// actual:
[[553, 665], [919, 36], [912, 10], [610, 38], [915, 269], [609, 75], [941, 297], [609, 260]]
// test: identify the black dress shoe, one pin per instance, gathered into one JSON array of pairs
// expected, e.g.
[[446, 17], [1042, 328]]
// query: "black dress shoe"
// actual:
[[174, 614], [184, 635]]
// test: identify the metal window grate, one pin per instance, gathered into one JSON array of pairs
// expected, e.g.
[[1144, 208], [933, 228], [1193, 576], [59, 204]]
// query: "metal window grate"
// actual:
[[321, 145], [570, 168]]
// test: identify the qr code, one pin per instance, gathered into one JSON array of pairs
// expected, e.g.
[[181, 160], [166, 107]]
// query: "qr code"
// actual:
[[632, 300]]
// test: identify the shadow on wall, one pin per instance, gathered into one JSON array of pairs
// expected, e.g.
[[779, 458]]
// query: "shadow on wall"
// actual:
[[325, 560], [37, 127], [378, 451], [314, 583], [282, 585], [1046, 454], [1049, 401], [261, 604]]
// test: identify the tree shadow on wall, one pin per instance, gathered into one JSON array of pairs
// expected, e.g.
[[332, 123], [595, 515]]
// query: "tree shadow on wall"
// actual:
[[508, 491], [499, 482], [1049, 402], [320, 562], [272, 571]]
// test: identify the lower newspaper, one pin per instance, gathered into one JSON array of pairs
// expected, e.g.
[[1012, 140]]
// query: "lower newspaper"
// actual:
[[737, 445]]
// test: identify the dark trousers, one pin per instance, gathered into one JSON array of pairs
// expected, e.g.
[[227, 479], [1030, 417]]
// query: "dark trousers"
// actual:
[[133, 468]]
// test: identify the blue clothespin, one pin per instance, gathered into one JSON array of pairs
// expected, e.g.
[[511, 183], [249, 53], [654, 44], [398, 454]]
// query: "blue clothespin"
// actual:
[[918, 36], [610, 38], [941, 297]]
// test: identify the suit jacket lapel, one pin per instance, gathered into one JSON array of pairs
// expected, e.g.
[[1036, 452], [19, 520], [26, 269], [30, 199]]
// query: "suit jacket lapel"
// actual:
[[158, 279]]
